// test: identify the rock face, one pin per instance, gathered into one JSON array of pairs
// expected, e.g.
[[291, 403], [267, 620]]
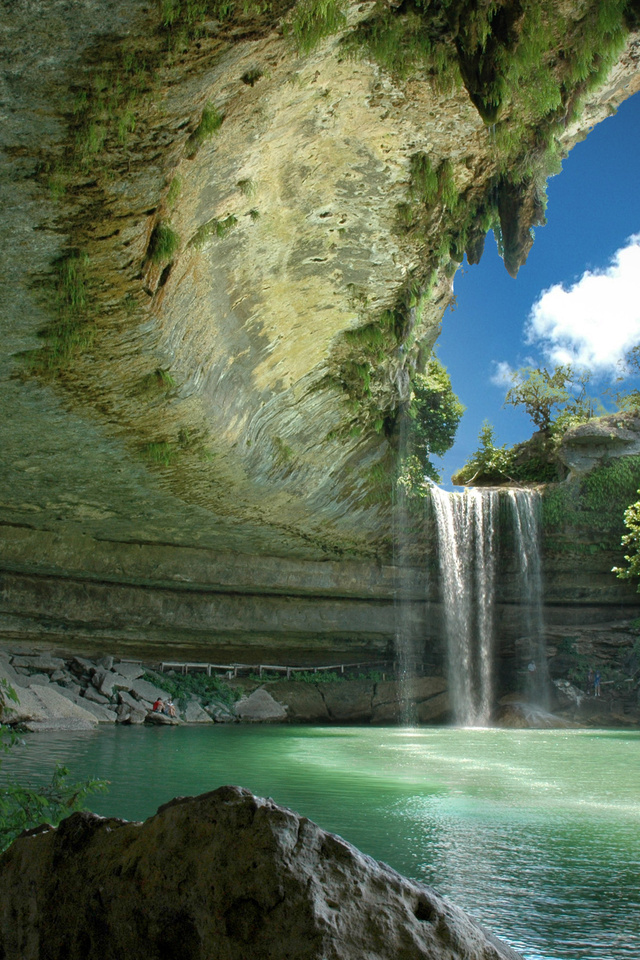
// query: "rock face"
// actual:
[[587, 445], [219, 877], [223, 270]]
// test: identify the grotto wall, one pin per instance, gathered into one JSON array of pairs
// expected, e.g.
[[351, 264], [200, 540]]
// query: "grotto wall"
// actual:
[[229, 240]]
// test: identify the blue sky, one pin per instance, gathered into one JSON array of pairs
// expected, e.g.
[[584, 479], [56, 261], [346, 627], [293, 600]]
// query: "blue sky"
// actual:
[[593, 211]]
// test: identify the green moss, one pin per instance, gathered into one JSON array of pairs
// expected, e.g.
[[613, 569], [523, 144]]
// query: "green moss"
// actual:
[[250, 77], [174, 192], [159, 382], [213, 228], [163, 244], [526, 68], [72, 330], [313, 20], [379, 480], [210, 123], [159, 452], [283, 453], [247, 187], [406, 41], [424, 179]]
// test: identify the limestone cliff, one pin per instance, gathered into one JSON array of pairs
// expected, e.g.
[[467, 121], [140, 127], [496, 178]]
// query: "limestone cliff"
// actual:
[[229, 240]]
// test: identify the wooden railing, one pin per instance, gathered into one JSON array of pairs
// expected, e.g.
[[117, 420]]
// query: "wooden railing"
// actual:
[[237, 669]]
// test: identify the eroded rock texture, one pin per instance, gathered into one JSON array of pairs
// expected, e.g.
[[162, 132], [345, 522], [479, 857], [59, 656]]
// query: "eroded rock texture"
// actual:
[[219, 877], [224, 259]]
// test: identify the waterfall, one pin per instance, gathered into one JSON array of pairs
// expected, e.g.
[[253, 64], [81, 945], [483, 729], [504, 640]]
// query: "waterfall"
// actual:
[[468, 552], [466, 524], [525, 512]]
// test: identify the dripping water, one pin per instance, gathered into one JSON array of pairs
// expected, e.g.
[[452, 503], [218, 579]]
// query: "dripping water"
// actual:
[[408, 642]]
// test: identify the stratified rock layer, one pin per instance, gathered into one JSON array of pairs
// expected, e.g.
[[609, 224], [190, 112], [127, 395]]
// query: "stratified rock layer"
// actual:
[[222, 876]]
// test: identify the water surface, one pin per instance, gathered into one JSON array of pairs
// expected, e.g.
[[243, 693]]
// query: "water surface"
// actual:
[[535, 833]]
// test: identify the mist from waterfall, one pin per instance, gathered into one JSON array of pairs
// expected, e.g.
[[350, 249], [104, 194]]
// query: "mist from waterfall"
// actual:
[[468, 552]]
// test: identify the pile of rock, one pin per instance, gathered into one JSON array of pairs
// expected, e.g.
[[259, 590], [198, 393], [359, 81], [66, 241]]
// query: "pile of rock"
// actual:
[[57, 694]]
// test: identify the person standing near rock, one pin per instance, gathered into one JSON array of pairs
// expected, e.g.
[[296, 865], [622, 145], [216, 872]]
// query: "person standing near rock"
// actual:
[[596, 684]]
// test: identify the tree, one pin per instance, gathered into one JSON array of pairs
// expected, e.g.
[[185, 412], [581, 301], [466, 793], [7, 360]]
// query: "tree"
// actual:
[[489, 463], [539, 391], [435, 413], [23, 806]]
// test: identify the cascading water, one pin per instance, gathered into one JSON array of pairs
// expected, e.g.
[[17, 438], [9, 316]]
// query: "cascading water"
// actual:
[[525, 512], [468, 547], [466, 524]]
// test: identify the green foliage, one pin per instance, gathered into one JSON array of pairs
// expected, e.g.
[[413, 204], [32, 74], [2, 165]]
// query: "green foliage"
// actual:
[[213, 228], [598, 501], [425, 182], [181, 687], [572, 665], [322, 676], [631, 543], [412, 473], [210, 123], [626, 399], [405, 41], [356, 378], [161, 452], [163, 244], [435, 412], [313, 20], [489, 463], [526, 68], [446, 185], [72, 330], [539, 392], [533, 461], [24, 806]]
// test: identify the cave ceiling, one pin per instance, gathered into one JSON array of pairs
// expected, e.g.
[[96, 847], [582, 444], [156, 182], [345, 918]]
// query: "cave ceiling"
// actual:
[[219, 274]]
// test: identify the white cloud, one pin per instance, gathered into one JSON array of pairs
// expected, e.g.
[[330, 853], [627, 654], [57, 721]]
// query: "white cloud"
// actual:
[[502, 374], [597, 320]]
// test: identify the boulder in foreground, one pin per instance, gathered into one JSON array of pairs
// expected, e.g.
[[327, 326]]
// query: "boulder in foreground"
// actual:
[[223, 876]]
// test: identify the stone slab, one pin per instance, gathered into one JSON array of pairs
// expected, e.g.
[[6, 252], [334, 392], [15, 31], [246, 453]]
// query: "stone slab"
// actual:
[[260, 707]]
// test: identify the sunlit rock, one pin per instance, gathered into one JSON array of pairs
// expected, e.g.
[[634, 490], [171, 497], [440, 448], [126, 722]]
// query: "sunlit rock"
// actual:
[[260, 706]]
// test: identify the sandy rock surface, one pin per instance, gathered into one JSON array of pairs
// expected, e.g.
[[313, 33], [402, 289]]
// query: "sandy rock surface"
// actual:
[[223, 876]]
